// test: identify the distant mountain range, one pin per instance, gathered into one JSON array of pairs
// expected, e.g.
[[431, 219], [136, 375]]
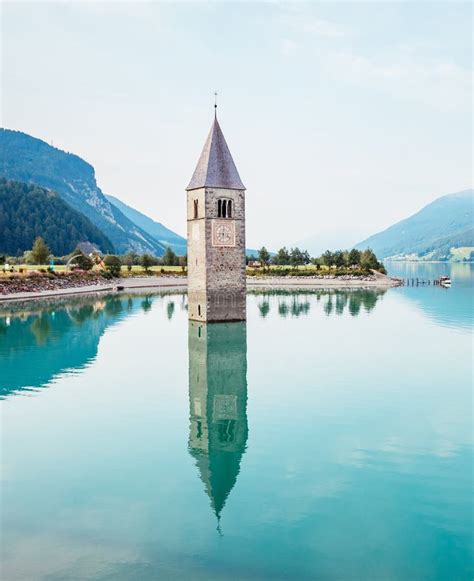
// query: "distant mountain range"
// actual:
[[442, 230], [162, 234], [27, 159]]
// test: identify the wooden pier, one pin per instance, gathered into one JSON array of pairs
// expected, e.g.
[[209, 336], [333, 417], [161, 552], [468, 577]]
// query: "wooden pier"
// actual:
[[421, 282]]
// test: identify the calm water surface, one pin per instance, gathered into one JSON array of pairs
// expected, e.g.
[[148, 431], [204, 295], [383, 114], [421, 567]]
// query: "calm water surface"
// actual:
[[329, 437]]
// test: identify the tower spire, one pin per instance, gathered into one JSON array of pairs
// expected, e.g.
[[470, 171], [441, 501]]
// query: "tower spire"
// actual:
[[216, 168]]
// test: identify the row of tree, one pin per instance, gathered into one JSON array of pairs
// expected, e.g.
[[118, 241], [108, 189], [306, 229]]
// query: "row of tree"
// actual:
[[295, 257], [40, 254]]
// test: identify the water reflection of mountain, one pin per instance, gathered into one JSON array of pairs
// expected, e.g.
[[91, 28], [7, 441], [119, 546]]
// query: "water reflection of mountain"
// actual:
[[218, 405], [42, 339], [452, 307], [295, 303]]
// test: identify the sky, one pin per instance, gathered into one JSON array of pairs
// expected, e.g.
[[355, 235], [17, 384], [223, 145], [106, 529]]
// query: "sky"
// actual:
[[342, 117]]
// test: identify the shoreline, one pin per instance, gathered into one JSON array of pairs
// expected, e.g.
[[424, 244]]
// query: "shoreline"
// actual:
[[139, 283]]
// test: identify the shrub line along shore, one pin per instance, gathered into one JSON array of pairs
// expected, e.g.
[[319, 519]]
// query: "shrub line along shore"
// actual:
[[180, 282]]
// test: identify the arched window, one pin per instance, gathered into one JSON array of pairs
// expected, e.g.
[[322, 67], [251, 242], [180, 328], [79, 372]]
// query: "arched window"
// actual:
[[224, 208], [199, 310], [196, 205]]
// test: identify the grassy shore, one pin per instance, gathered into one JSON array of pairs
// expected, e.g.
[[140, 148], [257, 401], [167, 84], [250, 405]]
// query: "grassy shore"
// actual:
[[138, 270]]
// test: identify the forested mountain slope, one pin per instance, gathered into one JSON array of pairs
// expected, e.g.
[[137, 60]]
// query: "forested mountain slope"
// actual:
[[28, 211], [27, 159]]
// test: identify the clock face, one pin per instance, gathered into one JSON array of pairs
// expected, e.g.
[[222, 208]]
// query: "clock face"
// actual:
[[223, 234]]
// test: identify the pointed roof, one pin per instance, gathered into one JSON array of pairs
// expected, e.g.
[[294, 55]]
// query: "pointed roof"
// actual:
[[216, 168], [218, 471]]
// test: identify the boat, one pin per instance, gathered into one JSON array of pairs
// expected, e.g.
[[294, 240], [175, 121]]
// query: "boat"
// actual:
[[444, 280]]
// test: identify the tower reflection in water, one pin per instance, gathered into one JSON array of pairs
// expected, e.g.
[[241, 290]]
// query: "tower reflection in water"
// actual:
[[218, 405]]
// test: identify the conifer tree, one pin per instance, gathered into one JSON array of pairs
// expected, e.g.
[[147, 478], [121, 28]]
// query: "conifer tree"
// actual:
[[169, 257], [40, 251], [264, 256]]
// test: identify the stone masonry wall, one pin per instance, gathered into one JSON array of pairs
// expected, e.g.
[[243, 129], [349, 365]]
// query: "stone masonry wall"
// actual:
[[216, 275]]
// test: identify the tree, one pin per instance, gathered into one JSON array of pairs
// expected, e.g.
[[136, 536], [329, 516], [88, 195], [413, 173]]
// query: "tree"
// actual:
[[40, 251], [169, 257], [368, 260], [264, 256], [146, 261], [113, 264], [317, 262], [296, 257], [129, 260], [328, 258], [305, 257], [339, 258], [354, 257], [282, 257]]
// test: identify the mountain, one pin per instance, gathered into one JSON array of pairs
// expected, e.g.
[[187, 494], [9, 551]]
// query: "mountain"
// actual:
[[28, 211], [442, 230], [27, 159], [160, 233]]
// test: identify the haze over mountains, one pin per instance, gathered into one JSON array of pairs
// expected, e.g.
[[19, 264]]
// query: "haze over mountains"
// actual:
[[442, 230]]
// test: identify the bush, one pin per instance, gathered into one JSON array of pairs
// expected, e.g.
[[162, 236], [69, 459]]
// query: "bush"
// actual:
[[147, 261], [82, 261], [113, 264]]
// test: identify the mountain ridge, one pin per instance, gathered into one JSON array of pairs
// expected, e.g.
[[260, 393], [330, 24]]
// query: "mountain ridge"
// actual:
[[31, 160], [432, 233], [161, 233]]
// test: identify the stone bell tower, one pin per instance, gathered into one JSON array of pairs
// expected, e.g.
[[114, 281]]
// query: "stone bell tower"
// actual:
[[216, 235]]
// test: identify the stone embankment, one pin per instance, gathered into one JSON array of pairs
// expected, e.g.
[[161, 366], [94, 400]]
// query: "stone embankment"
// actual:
[[346, 280], [40, 285], [316, 277], [39, 282]]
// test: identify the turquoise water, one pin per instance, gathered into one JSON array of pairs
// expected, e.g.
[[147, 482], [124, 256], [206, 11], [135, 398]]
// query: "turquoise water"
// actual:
[[329, 437]]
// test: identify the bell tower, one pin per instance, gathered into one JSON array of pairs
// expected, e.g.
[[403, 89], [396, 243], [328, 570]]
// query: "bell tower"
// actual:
[[216, 235]]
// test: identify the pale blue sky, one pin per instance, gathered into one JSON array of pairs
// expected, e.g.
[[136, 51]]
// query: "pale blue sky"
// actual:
[[342, 117]]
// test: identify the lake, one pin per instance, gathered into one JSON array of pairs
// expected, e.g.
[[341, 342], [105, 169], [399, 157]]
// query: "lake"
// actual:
[[329, 437]]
